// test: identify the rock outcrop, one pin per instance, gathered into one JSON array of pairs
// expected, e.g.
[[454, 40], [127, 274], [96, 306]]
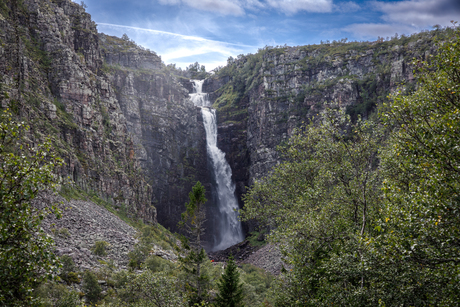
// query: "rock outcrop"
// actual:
[[164, 124], [83, 223], [51, 76], [125, 128], [121, 122], [262, 98]]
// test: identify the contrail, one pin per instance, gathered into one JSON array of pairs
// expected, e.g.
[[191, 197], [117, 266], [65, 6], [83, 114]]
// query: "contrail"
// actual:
[[187, 37]]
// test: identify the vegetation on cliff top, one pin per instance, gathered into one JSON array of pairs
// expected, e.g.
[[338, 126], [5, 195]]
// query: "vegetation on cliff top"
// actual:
[[247, 72]]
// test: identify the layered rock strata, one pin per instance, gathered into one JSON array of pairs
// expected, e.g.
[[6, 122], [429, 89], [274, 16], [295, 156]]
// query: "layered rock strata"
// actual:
[[52, 76], [262, 98], [119, 120], [165, 125]]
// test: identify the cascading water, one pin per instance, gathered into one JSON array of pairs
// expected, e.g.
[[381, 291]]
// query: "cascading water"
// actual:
[[199, 98], [229, 227]]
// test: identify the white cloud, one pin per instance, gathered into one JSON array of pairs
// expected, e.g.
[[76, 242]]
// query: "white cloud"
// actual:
[[169, 2], [237, 7], [293, 6], [346, 7], [372, 30], [420, 13], [173, 46], [185, 37], [408, 16], [225, 7], [253, 4]]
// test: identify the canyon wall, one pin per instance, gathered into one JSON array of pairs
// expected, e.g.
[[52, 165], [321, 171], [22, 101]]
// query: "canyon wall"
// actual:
[[123, 125], [262, 98]]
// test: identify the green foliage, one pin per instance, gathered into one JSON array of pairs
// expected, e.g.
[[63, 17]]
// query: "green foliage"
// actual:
[[254, 238], [36, 53], [153, 289], [55, 295], [157, 264], [26, 258], [420, 229], [371, 93], [322, 201], [197, 281], [68, 270], [357, 233], [139, 255], [63, 232], [72, 278], [148, 236], [196, 71], [230, 288], [91, 287], [194, 215], [99, 248], [194, 256], [256, 284]]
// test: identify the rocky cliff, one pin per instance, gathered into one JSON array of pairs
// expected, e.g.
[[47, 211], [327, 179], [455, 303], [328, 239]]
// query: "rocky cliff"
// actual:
[[119, 120], [261, 98], [164, 123], [124, 125]]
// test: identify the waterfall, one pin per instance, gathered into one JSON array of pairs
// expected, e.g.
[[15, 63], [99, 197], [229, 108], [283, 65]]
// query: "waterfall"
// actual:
[[199, 98], [229, 231]]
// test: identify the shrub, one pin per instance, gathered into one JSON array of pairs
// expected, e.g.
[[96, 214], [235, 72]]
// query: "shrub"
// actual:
[[55, 295], [26, 257], [68, 270], [64, 232], [156, 264], [99, 248], [138, 255], [91, 287], [72, 278]]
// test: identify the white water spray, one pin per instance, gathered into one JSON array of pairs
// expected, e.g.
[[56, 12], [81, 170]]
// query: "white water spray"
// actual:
[[230, 231], [199, 98]]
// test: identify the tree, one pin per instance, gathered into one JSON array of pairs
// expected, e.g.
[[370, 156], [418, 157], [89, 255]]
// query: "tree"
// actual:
[[26, 257], [91, 287], [195, 71], [321, 202], [154, 289], [68, 270], [420, 228], [230, 289], [195, 256]]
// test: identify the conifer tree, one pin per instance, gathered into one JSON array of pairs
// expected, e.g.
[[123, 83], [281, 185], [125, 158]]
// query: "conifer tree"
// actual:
[[195, 256], [230, 289]]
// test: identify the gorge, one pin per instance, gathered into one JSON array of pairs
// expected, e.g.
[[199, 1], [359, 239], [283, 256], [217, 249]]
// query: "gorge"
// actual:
[[127, 131], [226, 226]]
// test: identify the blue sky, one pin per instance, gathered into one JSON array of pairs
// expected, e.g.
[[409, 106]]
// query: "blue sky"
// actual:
[[209, 31]]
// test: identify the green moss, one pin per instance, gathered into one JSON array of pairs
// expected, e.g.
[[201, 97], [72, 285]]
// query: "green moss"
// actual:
[[70, 192], [253, 238], [226, 100]]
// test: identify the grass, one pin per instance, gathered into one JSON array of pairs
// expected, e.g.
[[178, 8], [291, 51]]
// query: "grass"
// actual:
[[253, 238]]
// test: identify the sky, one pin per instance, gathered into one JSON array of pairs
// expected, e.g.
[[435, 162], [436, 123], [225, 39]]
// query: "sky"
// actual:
[[210, 31]]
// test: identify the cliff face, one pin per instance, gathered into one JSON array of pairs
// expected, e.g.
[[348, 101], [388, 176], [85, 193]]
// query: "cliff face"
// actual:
[[51, 76], [106, 103], [164, 123], [262, 98], [123, 122]]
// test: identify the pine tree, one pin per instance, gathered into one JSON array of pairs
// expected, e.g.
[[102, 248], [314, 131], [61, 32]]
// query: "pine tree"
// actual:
[[195, 256], [230, 289]]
